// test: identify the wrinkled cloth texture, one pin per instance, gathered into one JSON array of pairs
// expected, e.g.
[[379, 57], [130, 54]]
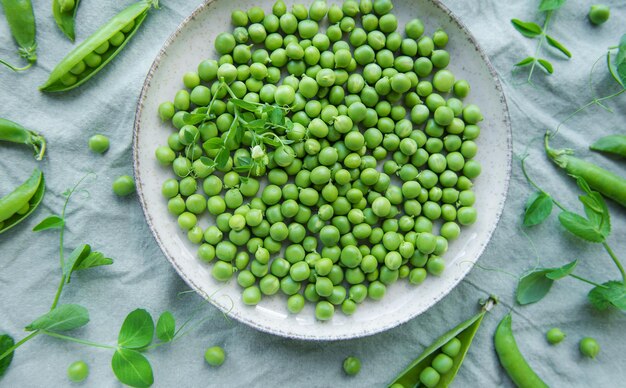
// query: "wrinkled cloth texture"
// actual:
[[142, 277]]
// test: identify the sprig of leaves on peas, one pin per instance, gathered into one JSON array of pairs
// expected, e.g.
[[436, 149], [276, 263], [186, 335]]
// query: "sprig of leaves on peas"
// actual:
[[533, 30], [594, 227]]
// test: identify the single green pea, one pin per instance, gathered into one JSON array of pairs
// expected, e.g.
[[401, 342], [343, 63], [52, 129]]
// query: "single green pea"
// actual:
[[589, 347], [351, 365], [429, 377], [215, 356], [100, 144], [599, 14], [77, 371], [555, 335], [123, 186]]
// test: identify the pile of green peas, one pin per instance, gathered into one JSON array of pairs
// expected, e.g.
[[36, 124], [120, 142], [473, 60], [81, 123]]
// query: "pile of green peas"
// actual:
[[369, 183]]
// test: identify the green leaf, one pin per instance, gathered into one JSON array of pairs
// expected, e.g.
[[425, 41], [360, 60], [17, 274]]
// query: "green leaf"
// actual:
[[222, 158], [6, 342], [137, 330], [189, 136], [166, 327], [244, 104], [132, 368], [561, 272], [271, 141], [558, 45], [612, 294], [550, 5], [50, 222], [276, 116], [538, 209], [546, 65], [533, 286], [256, 125], [597, 212], [244, 160], [206, 161], [612, 144], [580, 227], [234, 135], [528, 29], [194, 118], [78, 255], [213, 144], [61, 318], [94, 259], [619, 64], [525, 62]]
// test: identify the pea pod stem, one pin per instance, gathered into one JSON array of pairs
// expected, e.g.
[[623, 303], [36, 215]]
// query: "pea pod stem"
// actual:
[[599, 179], [14, 132], [21, 19], [512, 359]]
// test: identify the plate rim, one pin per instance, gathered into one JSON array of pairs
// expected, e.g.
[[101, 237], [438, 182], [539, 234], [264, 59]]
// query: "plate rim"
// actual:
[[273, 330]]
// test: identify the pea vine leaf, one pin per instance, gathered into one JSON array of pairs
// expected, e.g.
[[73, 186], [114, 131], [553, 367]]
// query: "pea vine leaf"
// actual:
[[221, 160], [580, 227], [6, 343], [535, 284], [50, 222], [528, 29], [213, 144], [546, 65], [538, 208], [558, 45], [618, 67], [612, 144], [597, 226], [244, 104], [62, 318], [612, 293], [132, 368], [166, 327], [525, 62], [137, 330], [82, 258], [550, 5]]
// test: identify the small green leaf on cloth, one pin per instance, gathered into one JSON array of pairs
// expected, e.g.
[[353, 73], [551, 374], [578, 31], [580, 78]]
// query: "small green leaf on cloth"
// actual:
[[166, 327], [132, 368], [528, 29], [538, 209], [612, 293], [137, 330], [62, 318]]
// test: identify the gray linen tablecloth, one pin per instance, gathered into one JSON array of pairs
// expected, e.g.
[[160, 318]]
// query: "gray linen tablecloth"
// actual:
[[141, 276]]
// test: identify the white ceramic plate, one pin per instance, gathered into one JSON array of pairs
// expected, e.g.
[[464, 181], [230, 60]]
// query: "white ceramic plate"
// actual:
[[193, 42]]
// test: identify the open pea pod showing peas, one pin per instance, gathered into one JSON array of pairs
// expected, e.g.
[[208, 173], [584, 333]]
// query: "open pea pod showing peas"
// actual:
[[21, 202], [15, 133], [21, 19], [64, 12], [439, 363], [100, 48]]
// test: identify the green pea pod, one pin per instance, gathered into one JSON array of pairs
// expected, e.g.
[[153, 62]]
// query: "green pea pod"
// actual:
[[465, 332], [608, 184], [64, 12], [100, 48], [21, 19], [19, 204], [512, 359], [13, 132], [613, 144]]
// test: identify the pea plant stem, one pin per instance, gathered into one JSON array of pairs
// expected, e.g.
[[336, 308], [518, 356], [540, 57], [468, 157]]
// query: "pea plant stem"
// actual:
[[77, 340], [532, 183], [542, 38], [586, 281], [20, 343], [616, 261]]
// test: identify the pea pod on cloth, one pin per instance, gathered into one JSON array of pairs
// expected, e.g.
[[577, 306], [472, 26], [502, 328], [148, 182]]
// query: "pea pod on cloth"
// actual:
[[430, 369], [14, 132], [21, 19], [21, 202], [95, 52], [64, 12], [512, 359], [607, 183], [612, 144]]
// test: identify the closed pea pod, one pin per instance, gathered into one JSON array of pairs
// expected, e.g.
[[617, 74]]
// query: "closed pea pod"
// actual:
[[24, 199], [64, 12], [21, 19], [452, 345], [115, 34], [15, 133], [512, 359]]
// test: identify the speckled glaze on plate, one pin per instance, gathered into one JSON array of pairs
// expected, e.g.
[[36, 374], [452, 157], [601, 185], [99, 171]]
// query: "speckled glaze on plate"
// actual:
[[193, 42]]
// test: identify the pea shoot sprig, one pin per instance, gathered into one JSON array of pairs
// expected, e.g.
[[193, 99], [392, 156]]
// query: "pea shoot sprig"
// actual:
[[533, 30], [61, 317], [594, 227], [258, 121]]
